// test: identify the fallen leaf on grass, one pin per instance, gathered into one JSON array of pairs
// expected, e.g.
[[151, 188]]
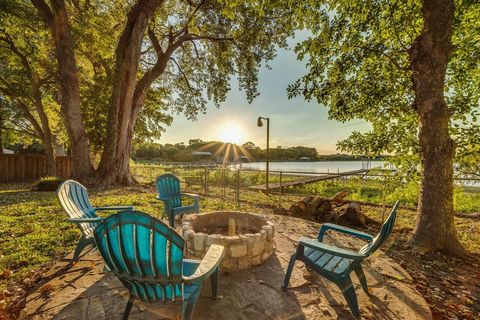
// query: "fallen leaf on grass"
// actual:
[[6, 273]]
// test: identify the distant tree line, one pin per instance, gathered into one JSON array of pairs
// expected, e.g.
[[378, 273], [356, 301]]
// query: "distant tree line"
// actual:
[[183, 152]]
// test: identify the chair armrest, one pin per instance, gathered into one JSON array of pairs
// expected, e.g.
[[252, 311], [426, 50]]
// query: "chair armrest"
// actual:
[[335, 251], [196, 197], [85, 220], [208, 265], [162, 199], [342, 229], [191, 195], [117, 208]]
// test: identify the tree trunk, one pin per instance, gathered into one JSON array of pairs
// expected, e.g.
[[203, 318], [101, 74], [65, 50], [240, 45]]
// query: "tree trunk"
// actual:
[[1, 128], [56, 18], [114, 166], [429, 55], [46, 132], [70, 91]]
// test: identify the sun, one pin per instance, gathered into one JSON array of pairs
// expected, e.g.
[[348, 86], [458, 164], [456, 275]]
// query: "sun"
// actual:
[[232, 133]]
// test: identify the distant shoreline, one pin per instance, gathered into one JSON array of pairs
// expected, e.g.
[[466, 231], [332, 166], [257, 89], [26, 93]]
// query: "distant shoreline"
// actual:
[[262, 161], [326, 160]]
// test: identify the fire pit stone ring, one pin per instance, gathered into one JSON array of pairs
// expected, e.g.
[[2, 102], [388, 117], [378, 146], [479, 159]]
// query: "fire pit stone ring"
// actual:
[[247, 237]]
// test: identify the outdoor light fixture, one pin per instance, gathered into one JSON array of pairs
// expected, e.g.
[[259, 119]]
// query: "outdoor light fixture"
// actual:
[[260, 124]]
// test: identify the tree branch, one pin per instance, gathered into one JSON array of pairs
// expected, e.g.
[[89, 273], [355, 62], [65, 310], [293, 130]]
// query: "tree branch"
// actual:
[[24, 109], [25, 130], [196, 50], [154, 40], [208, 37], [195, 11], [29, 116], [8, 40], [395, 63], [44, 11], [396, 31], [184, 76], [146, 50]]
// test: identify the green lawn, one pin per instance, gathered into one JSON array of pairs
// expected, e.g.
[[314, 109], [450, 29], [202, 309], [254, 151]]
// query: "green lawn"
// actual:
[[34, 230]]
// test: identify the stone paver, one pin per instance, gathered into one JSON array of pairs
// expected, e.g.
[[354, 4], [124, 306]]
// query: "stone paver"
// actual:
[[85, 291]]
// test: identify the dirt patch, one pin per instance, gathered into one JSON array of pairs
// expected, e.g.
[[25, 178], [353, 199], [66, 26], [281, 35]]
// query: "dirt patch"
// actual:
[[451, 286]]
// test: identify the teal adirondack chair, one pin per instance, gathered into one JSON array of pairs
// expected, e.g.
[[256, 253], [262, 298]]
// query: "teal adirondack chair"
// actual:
[[168, 187], [336, 264], [73, 198], [147, 257]]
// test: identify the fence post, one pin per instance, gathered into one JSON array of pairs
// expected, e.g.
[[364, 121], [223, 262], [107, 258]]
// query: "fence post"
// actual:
[[384, 196], [237, 193], [223, 184], [280, 192], [206, 181]]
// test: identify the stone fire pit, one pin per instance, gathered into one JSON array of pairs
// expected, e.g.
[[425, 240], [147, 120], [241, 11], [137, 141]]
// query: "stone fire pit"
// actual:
[[247, 238]]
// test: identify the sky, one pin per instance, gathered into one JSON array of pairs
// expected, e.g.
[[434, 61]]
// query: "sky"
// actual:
[[293, 122]]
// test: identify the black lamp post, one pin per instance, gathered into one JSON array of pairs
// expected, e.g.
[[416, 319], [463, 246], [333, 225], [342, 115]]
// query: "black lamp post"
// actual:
[[260, 124]]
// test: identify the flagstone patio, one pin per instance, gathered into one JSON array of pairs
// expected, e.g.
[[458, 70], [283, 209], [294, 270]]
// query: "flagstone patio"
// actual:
[[85, 291]]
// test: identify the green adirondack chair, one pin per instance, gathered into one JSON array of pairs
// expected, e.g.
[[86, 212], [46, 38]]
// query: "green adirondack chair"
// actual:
[[336, 264], [147, 257], [168, 187], [73, 198]]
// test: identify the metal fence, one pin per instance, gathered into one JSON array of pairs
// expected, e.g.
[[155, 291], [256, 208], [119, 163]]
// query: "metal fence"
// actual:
[[246, 188]]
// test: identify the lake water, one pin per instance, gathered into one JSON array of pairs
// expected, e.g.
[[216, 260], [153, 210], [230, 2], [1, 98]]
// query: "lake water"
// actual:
[[315, 166]]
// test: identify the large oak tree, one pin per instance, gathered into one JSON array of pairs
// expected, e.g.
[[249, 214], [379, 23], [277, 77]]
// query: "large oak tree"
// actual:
[[178, 53], [410, 68]]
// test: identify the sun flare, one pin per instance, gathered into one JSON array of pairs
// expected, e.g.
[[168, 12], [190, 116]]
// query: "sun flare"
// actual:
[[231, 132]]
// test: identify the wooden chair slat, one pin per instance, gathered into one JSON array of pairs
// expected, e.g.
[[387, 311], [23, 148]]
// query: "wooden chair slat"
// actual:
[[73, 198]]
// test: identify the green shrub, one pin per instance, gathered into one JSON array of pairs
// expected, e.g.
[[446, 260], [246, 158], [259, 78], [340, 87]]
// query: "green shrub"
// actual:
[[370, 193], [466, 199], [407, 193], [48, 184]]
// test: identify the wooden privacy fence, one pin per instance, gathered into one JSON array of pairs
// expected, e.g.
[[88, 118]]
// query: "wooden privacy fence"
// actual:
[[28, 167]]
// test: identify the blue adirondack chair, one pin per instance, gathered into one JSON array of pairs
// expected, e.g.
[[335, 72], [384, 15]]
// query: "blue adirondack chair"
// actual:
[[147, 256], [168, 187], [336, 264], [73, 198]]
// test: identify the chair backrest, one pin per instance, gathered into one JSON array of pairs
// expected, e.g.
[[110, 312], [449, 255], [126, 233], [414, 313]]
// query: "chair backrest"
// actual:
[[144, 253], [168, 186], [382, 236], [73, 198]]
